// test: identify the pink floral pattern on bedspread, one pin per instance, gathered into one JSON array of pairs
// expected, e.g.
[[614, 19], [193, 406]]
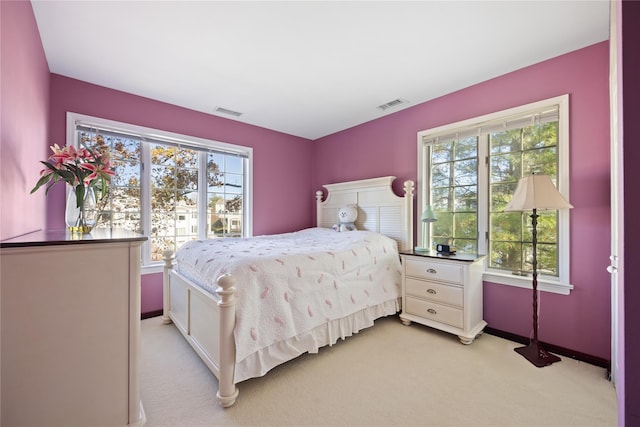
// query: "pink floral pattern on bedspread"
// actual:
[[290, 283]]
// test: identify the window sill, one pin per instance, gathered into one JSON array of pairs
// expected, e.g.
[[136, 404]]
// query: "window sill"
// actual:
[[544, 284]]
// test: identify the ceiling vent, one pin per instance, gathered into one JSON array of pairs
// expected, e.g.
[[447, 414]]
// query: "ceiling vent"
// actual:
[[392, 104], [227, 111]]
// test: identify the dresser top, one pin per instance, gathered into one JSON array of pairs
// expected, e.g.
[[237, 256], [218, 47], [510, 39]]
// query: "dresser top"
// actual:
[[434, 254], [64, 237]]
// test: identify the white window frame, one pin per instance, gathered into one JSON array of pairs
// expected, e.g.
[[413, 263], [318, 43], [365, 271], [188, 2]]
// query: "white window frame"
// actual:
[[145, 188], [562, 283]]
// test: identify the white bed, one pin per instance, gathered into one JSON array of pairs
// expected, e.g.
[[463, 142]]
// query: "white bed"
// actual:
[[208, 282]]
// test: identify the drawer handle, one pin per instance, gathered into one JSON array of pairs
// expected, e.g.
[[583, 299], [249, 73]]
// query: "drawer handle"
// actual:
[[431, 291], [432, 311], [431, 270]]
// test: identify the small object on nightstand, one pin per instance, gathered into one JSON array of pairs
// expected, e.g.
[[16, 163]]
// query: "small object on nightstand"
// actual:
[[445, 249]]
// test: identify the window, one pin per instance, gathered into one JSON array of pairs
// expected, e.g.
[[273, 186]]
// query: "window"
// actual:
[[172, 188], [468, 172]]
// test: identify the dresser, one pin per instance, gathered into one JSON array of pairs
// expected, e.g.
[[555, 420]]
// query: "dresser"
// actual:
[[443, 292], [70, 329]]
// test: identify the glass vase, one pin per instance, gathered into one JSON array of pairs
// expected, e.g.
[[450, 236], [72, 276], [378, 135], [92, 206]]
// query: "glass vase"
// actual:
[[81, 217]]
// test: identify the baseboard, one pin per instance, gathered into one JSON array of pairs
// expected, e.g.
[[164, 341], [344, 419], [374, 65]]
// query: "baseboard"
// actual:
[[150, 314], [597, 361]]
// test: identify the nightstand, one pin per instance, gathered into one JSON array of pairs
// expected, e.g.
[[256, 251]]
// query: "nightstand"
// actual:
[[443, 292]]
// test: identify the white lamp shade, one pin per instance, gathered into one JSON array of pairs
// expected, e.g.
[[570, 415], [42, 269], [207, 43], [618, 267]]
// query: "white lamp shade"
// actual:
[[536, 192], [428, 215]]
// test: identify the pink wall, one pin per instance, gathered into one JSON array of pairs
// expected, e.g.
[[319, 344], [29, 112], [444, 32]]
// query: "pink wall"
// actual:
[[387, 146], [24, 120]]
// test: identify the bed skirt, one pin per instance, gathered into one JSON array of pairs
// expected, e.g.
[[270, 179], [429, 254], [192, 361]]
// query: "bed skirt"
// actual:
[[262, 361]]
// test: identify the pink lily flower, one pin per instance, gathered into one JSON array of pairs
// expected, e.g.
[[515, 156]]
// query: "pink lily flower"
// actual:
[[99, 170], [61, 158], [70, 164]]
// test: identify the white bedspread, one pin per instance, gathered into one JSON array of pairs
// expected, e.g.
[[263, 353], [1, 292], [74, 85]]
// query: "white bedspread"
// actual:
[[288, 285]]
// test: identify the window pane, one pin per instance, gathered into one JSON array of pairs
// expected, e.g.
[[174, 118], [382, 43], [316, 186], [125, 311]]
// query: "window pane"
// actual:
[[454, 193], [466, 199], [506, 168], [466, 172], [547, 260], [187, 179], [224, 215], [234, 164], [442, 229], [441, 175], [215, 164], [465, 226], [506, 226], [126, 148], [126, 173], [159, 245], [469, 246], [163, 200], [233, 183], [225, 196], [506, 255], [163, 155], [466, 148], [163, 177], [547, 221], [128, 220], [501, 194], [540, 136], [541, 161], [186, 158], [441, 153], [120, 208], [516, 153], [505, 142], [125, 199], [440, 199]]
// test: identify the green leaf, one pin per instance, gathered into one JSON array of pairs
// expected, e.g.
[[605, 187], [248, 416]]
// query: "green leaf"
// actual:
[[42, 181], [104, 188], [67, 176], [50, 166], [49, 188], [79, 195]]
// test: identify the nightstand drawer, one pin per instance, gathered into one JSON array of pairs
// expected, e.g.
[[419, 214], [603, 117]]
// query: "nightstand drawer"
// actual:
[[434, 311], [435, 291], [433, 270]]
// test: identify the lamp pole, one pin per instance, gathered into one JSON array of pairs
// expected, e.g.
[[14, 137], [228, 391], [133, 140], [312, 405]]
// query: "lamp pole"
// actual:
[[534, 241], [534, 352]]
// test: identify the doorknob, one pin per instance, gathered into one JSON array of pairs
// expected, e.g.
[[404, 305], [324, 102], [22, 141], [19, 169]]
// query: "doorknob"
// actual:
[[611, 269]]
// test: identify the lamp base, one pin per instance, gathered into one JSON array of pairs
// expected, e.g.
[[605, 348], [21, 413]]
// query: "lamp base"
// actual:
[[537, 355]]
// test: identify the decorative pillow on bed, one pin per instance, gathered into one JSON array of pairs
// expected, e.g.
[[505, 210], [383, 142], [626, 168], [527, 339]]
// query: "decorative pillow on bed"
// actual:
[[347, 216]]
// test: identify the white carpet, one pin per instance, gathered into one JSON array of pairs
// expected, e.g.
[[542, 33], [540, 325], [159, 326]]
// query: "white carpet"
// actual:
[[388, 375]]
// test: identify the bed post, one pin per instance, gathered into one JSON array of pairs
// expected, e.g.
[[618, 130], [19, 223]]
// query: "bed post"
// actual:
[[227, 391], [408, 207], [166, 294], [319, 208]]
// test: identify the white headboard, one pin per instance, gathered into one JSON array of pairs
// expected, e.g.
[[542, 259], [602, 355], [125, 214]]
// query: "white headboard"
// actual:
[[379, 209]]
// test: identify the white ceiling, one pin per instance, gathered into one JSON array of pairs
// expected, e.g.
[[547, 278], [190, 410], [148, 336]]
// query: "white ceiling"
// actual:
[[307, 68]]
